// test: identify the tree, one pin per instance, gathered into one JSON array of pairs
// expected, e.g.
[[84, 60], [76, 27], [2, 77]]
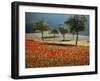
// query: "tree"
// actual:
[[76, 23], [42, 26], [62, 30], [54, 31]]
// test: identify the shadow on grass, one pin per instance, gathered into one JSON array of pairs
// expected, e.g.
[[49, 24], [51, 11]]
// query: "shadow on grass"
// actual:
[[88, 41], [64, 40], [55, 44], [46, 37]]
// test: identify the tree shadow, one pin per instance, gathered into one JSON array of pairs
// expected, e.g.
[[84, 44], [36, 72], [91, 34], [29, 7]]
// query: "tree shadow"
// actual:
[[64, 40], [47, 37], [88, 41], [55, 44]]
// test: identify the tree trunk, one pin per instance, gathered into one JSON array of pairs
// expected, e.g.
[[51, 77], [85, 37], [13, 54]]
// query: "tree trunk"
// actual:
[[73, 36], [76, 38], [42, 36], [63, 37], [54, 36]]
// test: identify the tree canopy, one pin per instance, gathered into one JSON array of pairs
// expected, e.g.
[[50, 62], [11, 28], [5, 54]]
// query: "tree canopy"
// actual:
[[41, 25], [54, 31], [76, 24], [62, 29]]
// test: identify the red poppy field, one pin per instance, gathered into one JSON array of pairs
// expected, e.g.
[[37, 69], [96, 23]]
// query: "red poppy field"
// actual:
[[42, 54]]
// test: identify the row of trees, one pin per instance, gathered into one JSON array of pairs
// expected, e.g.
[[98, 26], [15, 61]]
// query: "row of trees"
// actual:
[[42, 26], [60, 28], [75, 23]]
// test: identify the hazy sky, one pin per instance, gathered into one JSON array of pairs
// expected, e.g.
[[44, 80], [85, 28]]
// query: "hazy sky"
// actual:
[[52, 19]]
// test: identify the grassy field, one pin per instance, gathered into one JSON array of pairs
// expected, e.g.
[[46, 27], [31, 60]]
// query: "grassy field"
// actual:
[[49, 38]]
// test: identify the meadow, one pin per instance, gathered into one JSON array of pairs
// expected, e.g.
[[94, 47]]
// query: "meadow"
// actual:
[[55, 52]]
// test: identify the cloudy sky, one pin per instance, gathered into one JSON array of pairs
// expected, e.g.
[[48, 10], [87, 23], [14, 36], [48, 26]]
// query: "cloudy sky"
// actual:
[[52, 19]]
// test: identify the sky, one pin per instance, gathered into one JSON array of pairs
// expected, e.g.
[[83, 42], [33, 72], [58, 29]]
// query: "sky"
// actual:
[[53, 19]]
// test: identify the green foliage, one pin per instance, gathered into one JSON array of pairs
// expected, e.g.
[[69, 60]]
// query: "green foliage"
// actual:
[[76, 24], [54, 31], [41, 25], [62, 29]]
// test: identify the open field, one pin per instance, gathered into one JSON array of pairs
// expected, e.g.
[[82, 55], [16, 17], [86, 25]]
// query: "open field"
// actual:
[[43, 54], [83, 40], [48, 36], [72, 42], [54, 52]]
